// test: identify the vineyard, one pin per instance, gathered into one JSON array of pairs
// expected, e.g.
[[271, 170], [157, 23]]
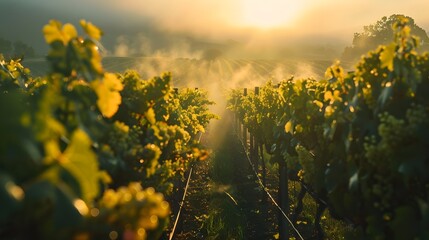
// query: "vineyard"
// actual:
[[201, 72], [91, 150]]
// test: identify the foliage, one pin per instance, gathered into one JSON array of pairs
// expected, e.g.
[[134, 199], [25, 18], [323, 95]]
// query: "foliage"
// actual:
[[359, 140], [380, 33], [68, 134]]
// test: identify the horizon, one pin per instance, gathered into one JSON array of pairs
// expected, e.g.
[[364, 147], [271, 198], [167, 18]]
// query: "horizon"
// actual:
[[181, 29]]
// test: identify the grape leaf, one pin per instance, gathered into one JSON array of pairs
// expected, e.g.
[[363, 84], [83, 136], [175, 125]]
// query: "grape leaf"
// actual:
[[82, 163], [387, 56], [53, 32], [288, 127], [91, 29], [69, 32], [150, 116], [108, 94]]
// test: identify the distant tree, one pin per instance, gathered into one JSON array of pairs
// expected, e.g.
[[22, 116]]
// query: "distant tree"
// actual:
[[16, 49], [22, 49], [5, 46], [381, 33]]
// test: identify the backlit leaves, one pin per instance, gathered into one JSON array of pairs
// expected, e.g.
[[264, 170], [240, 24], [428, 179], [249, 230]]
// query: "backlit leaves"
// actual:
[[54, 31], [371, 143], [288, 127], [108, 94], [91, 29], [387, 56], [150, 116], [82, 163]]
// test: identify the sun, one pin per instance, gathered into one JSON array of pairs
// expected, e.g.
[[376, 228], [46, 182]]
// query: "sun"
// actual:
[[269, 13]]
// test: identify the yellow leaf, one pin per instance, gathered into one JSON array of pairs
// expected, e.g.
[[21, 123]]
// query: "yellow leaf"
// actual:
[[276, 236], [337, 94], [288, 127], [52, 151], [108, 94], [105, 177], [328, 96], [318, 103], [69, 32], [329, 111], [406, 30], [55, 32], [387, 56], [150, 116], [91, 29], [299, 128], [52, 32], [82, 164]]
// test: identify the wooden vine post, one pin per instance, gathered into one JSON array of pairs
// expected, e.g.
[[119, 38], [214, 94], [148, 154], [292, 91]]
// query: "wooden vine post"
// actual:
[[244, 127], [283, 197], [259, 156]]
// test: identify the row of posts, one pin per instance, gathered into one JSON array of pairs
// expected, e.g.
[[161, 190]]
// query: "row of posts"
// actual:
[[255, 147]]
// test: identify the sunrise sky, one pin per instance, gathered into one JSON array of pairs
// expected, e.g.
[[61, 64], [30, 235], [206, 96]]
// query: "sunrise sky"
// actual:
[[251, 21]]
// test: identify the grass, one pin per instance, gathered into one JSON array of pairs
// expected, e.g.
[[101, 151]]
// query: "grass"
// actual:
[[225, 219]]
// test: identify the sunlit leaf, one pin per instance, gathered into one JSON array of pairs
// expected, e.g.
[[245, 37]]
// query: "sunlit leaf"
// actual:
[[288, 127], [150, 116], [387, 56], [299, 128], [406, 30], [82, 163], [69, 32], [318, 103], [91, 29], [52, 31], [52, 150], [329, 111], [11, 196], [105, 177], [328, 96], [108, 94], [276, 236]]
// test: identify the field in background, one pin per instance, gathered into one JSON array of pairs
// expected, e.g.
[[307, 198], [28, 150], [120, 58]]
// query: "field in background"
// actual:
[[198, 73]]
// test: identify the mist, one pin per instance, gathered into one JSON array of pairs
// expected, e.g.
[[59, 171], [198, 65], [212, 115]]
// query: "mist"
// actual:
[[148, 27], [212, 44]]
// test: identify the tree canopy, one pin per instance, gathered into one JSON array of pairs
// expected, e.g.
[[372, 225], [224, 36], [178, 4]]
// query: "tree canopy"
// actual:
[[380, 33], [15, 49]]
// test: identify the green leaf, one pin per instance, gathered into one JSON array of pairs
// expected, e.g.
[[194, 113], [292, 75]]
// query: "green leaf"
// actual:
[[108, 94], [52, 205], [82, 164], [387, 56], [91, 29], [334, 175]]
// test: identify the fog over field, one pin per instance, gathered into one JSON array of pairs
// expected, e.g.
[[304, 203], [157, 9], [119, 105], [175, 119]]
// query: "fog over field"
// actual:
[[312, 29]]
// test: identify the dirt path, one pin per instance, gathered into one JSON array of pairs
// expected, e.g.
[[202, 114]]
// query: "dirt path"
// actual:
[[224, 200]]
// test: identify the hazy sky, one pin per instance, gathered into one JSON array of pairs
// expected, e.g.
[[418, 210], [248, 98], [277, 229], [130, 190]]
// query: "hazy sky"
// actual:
[[250, 21]]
